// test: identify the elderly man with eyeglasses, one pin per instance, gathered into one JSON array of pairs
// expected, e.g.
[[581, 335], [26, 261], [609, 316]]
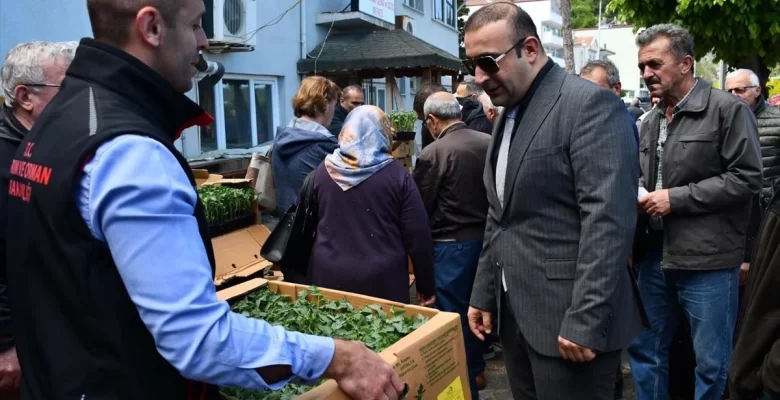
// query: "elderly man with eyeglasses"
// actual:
[[30, 76], [744, 84]]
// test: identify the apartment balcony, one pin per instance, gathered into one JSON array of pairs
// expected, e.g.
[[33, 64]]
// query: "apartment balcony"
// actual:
[[551, 41], [354, 20], [552, 17]]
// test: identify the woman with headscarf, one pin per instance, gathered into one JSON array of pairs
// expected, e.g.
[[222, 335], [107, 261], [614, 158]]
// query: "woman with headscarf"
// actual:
[[371, 217]]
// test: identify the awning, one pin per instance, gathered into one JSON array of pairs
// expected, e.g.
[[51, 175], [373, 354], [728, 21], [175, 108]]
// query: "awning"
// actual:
[[380, 50]]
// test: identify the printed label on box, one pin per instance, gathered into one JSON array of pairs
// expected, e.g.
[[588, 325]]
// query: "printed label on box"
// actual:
[[453, 392]]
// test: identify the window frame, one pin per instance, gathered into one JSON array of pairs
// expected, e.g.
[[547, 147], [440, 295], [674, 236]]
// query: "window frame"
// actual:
[[219, 107], [443, 20], [421, 3], [380, 98]]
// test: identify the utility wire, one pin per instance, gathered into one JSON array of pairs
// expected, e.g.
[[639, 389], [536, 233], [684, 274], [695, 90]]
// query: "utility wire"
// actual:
[[309, 55], [272, 22], [323, 42]]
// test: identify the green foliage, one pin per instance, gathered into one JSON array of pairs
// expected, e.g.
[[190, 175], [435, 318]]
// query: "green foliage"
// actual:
[[775, 71], [707, 69], [420, 392], [737, 30], [773, 87], [223, 203], [403, 121], [583, 14], [319, 316], [463, 13]]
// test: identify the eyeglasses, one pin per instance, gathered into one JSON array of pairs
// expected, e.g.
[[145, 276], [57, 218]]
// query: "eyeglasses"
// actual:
[[489, 64], [41, 85], [740, 90]]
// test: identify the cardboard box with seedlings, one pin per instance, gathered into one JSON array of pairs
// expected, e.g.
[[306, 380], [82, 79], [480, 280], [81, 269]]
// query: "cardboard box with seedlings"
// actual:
[[429, 353], [237, 252]]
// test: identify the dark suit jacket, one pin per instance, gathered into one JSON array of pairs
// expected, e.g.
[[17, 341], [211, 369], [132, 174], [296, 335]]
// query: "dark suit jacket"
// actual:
[[564, 235]]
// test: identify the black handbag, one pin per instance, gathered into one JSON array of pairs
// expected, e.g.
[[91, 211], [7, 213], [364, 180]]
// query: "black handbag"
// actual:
[[291, 241]]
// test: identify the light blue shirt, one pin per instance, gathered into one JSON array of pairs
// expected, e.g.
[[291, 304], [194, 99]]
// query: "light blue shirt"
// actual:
[[135, 197]]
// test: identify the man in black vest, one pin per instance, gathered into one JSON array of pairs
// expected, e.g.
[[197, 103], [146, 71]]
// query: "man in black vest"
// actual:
[[111, 277], [31, 74]]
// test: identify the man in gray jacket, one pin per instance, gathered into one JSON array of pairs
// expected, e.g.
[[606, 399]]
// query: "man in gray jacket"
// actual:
[[744, 84], [699, 159], [561, 189]]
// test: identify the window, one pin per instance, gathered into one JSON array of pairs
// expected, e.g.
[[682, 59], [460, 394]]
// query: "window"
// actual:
[[264, 112], [380, 98], [208, 133], [555, 31], [238, 129], [402, 85], [246, 117], [444, 11], [555, 6], [416, 4]]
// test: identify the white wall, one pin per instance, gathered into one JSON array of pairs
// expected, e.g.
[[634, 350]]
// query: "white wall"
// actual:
[[541, 10], [621, 40]]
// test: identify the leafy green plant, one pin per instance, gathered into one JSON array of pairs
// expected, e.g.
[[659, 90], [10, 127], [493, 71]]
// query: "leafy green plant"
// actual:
[[313, 314], [403, 121], [773, 87], [420, 392], [223, 203]]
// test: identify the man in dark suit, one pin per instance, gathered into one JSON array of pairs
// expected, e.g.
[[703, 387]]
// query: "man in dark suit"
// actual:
[[562, 180]]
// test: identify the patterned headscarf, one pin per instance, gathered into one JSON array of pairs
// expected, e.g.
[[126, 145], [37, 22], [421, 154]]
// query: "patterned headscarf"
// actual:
[[364, 147]]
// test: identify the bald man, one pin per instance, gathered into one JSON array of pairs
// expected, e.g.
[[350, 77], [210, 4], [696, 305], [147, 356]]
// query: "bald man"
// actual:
[[449, 175]]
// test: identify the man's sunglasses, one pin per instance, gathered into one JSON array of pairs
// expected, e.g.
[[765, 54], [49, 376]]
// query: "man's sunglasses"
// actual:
[[489, 64], [740, 90]]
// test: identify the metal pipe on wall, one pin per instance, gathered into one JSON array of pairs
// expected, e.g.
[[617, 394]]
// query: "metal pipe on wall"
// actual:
[[304, 51]]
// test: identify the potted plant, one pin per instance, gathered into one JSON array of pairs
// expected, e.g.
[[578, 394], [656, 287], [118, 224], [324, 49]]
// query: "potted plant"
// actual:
[[227, 208], [403, 123]]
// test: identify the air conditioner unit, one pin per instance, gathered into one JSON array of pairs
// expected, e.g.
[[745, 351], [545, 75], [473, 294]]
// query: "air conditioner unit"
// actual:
[[406, 23], [231, 21]]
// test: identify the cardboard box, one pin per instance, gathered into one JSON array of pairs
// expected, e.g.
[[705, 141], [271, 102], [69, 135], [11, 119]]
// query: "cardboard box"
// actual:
[[410, 268], [405, 149], [406, 162], [433, 356], [202, 176], [237, 255]]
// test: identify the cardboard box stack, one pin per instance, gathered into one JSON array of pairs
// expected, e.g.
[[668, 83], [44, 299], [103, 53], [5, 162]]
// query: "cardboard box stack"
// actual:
[[431, 360], [237, 253]]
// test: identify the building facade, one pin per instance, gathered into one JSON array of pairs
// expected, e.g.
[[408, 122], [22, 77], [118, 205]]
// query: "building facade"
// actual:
[[586, 48], [546, 15], [260, 44], [620, 39]]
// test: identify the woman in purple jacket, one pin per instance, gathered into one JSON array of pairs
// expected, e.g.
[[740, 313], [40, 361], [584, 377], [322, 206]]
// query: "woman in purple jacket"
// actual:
[[371, 217]]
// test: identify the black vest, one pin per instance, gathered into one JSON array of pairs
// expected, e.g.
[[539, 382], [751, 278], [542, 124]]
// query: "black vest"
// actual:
[[78, 333]]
